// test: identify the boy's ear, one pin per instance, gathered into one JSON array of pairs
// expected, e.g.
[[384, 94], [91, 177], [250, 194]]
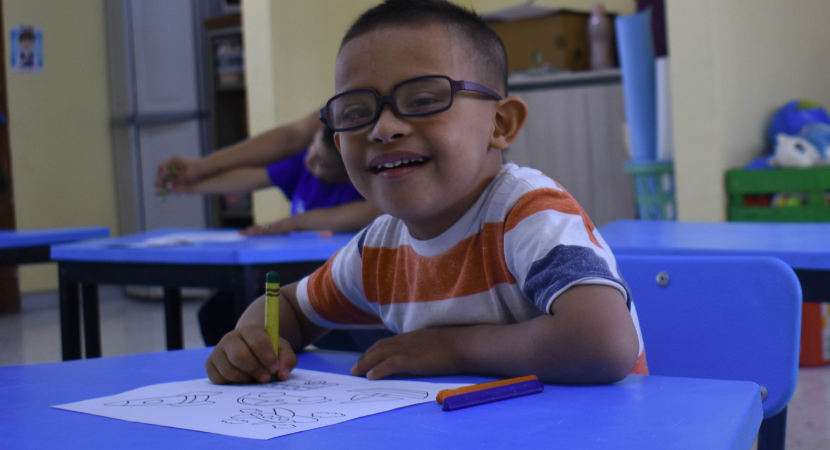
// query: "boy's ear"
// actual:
[[511, 114]]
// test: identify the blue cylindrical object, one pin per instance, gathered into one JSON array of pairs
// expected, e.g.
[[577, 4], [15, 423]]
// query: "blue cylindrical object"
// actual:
[[635, 46]]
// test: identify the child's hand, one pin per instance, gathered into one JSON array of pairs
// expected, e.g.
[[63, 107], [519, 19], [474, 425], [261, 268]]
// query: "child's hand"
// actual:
[[245, 354], [177, 174], [279, 227], [426, 352]]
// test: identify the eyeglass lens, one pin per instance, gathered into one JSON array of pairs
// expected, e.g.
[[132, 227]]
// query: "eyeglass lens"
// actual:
[[416, 97]]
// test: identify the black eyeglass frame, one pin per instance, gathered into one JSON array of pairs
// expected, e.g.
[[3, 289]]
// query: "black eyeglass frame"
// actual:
[[381, 100]]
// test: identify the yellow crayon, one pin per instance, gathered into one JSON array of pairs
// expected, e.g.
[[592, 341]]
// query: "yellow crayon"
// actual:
[[272, 311]]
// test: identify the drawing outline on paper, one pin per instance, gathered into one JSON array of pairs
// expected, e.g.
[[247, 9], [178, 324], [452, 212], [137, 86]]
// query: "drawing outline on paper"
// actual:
[[278, 398], [299, 385], [280, 418], [186, 399], [308, 400], [385, 395]]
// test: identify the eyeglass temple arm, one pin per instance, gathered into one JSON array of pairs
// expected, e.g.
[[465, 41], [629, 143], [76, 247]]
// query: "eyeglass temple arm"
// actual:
[[470, 86]]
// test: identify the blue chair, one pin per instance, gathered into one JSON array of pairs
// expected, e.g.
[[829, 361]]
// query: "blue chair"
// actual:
[[735, 318]]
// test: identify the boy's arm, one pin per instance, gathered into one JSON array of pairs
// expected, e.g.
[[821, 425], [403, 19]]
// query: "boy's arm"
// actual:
[[244, 179], [245, 354], [589, 339], [271, 146], [349, 217]]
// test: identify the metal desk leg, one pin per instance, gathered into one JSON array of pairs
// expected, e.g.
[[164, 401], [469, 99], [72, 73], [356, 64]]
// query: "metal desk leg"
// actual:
[[773, 432], [92, 320], [246, 279], [70, 316], [173, 317]]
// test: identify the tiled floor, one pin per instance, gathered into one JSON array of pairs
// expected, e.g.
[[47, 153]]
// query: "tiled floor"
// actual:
[[34, 337]]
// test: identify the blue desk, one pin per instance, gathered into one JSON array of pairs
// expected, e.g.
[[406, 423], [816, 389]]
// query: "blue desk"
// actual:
[[32, 246], [803, 246], [639, 412], [238, 266]]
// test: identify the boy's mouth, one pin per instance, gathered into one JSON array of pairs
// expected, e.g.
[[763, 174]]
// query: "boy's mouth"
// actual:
[[397, 166]]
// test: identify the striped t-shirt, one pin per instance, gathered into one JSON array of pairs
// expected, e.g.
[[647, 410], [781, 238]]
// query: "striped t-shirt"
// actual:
[[522, 244]]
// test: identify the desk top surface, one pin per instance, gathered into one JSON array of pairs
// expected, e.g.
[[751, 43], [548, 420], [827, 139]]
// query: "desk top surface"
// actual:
[[36, 238], [639, 412], [303, 246], [800, 245]]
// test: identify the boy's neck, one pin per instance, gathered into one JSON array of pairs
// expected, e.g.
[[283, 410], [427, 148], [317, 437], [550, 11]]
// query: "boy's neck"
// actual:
[[429, 228]]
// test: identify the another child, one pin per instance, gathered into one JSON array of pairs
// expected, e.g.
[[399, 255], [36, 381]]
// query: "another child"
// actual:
[[311, 175], [480, 267], [313, 178]]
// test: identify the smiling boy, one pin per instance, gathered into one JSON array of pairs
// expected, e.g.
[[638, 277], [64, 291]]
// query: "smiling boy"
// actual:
[[480, 267]]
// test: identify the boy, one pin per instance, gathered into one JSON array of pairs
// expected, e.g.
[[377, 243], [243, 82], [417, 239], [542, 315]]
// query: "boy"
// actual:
[[480, 267]]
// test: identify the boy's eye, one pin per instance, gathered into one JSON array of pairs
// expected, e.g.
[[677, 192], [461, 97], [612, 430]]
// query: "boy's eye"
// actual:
[[424, 102], [354, 114]]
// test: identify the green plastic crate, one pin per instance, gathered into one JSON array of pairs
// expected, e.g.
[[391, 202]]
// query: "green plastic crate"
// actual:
[[814, 182], [654, 188]]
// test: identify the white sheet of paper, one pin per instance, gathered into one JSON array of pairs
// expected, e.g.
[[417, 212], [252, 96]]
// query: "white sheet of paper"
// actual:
[[309, 399], [186, 239]]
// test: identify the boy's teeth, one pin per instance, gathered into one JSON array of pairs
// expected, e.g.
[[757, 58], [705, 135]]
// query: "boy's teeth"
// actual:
[[390, 165]]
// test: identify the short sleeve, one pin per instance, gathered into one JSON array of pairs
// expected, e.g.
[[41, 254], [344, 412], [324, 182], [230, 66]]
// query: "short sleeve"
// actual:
[[332, 297], [550, 245], [286, 173]]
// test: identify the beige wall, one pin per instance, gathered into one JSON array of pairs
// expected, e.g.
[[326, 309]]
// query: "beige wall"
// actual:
[[290, 47], [59, 125], [733, 63]]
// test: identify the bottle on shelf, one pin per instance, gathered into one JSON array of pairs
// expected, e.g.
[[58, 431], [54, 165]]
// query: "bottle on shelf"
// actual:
[[599, 36]]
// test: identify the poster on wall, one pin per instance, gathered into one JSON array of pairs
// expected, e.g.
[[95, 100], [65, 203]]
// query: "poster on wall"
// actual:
[[26, 48]]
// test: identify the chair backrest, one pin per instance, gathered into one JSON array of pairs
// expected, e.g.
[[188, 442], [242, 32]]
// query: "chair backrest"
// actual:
[[735, 318]]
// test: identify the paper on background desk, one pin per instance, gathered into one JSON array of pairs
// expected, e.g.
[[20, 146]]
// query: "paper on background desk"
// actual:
[[185, 239], [308, 400]]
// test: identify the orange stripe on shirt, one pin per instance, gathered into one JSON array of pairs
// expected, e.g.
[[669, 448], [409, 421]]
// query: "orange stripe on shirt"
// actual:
[[641, 366], [331, 304], [544, 199], [476, 264]]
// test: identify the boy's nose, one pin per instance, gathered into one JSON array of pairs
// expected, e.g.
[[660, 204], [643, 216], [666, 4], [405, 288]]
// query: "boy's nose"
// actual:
[[389, 127]]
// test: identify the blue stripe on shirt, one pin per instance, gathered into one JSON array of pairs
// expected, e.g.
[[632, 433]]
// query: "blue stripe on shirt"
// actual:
[[562, 266]]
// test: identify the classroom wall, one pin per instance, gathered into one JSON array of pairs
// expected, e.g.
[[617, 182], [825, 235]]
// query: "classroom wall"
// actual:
[[290, 49], [733, 63], [59, 125]]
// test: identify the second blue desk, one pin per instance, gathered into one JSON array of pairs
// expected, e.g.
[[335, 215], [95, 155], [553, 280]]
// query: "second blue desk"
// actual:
[[238, 266]]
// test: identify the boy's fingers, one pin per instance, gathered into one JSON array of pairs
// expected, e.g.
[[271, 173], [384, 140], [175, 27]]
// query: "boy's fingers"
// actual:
[[243, 358], [228, 372], [288, 360], [216, 376], [259, 344], [376, 354], [389, 366]]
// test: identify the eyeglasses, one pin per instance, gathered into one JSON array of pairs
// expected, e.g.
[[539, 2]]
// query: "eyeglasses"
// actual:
[[420, 96]]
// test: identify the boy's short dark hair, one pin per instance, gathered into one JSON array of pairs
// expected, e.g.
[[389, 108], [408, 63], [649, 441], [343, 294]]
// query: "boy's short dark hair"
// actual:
[[488, 52]]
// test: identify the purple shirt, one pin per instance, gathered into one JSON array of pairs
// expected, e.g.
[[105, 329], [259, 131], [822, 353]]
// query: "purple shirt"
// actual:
[[305, 190]]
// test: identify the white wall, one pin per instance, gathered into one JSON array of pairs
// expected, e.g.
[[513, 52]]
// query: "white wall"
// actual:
[[733, 63], [59, 125]]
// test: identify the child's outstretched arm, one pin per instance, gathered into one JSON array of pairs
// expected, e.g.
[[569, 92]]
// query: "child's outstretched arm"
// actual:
[[243, 179], [271, 146], [589, 339], [245, 354], [350, 217]]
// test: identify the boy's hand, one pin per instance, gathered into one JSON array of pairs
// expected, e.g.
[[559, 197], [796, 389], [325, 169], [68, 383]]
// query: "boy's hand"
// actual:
[[426, 352], [177, 175], [279, 227], [245, 355]]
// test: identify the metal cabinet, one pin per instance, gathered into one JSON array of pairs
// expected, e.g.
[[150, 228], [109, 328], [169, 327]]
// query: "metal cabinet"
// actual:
[[574, 135]]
